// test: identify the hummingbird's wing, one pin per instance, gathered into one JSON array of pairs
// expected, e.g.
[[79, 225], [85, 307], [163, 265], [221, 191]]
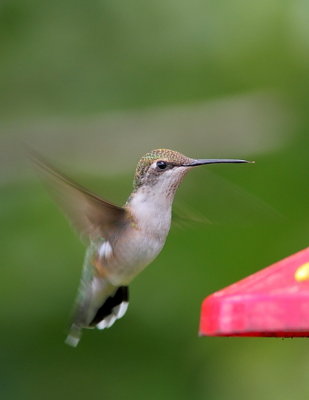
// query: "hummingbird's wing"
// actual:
[[99, 303], [183, 216], [90, 215], [222, 202]]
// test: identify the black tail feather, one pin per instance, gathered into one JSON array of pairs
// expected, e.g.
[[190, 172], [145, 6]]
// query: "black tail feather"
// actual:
[[121, 295]]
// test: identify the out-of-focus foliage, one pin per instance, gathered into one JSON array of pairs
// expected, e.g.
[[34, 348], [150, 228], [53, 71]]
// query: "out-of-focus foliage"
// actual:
[[72, 60], [75, 56]]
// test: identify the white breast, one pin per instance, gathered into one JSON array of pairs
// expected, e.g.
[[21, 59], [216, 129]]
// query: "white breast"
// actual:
[[143, 241], [152, 213]]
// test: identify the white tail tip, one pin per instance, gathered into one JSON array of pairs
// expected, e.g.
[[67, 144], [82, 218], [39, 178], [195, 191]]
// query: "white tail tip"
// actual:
[[73, 337], [72, 341]]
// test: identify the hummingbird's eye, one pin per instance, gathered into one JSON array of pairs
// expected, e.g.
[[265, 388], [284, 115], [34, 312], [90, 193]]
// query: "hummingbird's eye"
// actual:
[[161, 164]]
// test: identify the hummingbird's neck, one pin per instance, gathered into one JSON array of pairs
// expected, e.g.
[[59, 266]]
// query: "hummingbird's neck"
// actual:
[[151, 210], [151, 202]]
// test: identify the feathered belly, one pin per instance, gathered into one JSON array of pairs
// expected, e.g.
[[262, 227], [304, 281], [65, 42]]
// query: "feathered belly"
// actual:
[[131, 255]]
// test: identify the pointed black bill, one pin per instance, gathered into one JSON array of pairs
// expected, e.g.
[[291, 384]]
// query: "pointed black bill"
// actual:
[[195, 163]]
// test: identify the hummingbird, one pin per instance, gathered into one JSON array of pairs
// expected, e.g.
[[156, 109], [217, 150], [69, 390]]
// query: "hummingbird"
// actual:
[[121, 241]]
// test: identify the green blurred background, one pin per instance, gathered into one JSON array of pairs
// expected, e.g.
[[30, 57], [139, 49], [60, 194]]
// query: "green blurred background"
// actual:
[[93, 86]]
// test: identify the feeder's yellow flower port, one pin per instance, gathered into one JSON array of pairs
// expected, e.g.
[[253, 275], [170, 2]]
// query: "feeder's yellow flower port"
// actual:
[[302, 273]]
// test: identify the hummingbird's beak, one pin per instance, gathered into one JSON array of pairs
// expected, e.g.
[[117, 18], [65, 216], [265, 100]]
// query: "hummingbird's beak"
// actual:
[[195, 163]]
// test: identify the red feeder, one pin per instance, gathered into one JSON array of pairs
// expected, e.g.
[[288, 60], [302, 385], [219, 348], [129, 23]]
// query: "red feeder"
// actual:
[[271, 302]]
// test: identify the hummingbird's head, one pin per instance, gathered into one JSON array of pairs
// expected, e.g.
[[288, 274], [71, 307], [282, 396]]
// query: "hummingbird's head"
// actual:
[[164, 169], [160, 166]]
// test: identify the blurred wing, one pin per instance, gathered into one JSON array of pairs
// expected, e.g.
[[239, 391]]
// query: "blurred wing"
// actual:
[[183, 216], [90, 215], [224, 203]]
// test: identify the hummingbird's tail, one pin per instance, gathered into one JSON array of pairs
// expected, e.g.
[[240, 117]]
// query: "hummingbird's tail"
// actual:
[[114, 307]]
